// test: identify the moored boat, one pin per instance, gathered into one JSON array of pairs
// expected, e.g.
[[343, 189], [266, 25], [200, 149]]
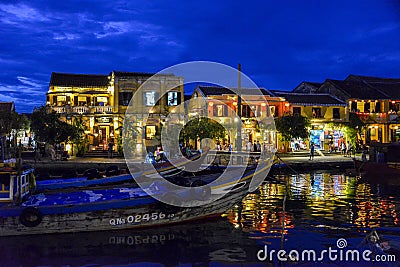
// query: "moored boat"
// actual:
[[123, 207], [383, 165]]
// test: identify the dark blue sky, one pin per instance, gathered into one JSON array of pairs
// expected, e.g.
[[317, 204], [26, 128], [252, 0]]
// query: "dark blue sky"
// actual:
[[278, 43]]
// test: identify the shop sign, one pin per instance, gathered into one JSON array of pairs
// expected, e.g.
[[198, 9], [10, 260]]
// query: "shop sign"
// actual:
[[103, 119]]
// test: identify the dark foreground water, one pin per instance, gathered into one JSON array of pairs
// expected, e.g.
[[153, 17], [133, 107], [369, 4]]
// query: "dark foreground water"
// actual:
[[322, 211]]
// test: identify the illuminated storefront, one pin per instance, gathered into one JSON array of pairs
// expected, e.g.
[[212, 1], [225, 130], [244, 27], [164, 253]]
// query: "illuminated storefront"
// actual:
[[325, 113]]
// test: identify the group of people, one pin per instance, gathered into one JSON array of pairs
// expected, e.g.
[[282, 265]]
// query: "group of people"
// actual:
[[346, 149], [58, 152], [226, 146], [253, 147]]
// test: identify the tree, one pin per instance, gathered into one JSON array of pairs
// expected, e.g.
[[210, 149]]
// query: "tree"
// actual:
[[200, 128], [354, 127], [79, 137], [9, 121], [292, 126], [48, 127]]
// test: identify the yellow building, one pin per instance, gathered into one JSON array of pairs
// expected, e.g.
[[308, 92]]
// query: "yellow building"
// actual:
[[101, 101], [375, 100], [222, 106], [324, 111]]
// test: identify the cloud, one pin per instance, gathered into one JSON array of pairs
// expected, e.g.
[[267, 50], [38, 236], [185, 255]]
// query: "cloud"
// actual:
[[18, 13], [112, 28], [26, 93], [66, 36]]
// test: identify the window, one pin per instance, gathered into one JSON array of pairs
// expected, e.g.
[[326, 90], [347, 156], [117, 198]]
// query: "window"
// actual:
[[150, 98], [220, 111], [367, 107], [360, 106], [255, 111], [125, 98], [272, 110], [316, 113], [296, 110], [151, 131], [353, 106], [247, 111], [173, 98], [378, 107], [336, 113], [80, 101]]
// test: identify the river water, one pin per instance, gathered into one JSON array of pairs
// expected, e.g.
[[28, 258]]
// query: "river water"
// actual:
[[312, 211]]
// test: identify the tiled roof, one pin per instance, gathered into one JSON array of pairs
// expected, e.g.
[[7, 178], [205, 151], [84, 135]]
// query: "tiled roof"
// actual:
[[7, 106], [314, 84], [138, 74], [356, 89], [307, 87], [132, 74], [388, 86], [310, 99], [78, 80], [217, 90]]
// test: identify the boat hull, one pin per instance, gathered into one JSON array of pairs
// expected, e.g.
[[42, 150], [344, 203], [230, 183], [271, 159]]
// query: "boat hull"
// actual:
[[378, 172], [147, 215]]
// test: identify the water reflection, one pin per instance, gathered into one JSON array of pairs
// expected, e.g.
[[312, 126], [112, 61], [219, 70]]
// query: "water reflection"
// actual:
[[192, 244], [320, 208], [315, 198]]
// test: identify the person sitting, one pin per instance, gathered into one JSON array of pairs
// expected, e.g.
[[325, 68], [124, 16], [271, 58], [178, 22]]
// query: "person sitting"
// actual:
[[159, 154]]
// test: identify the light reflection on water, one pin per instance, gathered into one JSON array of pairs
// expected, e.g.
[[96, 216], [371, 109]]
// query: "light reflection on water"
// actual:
[[320, 208], [332, 199]]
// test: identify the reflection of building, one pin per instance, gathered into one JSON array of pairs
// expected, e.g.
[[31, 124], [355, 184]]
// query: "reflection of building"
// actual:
[[322, 110], [222, 106], [375, 100], [101, 101]]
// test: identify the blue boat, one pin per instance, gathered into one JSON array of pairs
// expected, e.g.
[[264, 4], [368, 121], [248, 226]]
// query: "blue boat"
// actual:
[[91, 178], [24, 213]]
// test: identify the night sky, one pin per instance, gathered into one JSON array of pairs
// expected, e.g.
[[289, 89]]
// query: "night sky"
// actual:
[[278, 43]]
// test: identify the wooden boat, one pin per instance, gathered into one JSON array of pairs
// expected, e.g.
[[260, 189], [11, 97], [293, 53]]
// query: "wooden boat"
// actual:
[[120, 207], [383, 165], [91, 178]]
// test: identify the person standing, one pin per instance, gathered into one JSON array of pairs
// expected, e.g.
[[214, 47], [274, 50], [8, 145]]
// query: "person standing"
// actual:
[[312, 150], [110, 150], [258, 146]]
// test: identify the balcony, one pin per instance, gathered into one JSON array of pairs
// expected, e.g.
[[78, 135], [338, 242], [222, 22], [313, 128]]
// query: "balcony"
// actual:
[[83, 110], [59, 109], [104, 109], [80, 110]]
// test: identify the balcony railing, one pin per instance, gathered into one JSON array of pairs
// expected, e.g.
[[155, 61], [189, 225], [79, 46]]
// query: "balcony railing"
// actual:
[[59, 109], [80, 110], [83, 110], [104, 109]]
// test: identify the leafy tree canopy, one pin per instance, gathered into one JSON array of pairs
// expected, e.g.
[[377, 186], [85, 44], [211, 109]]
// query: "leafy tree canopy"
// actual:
[[292, 126], [48, 127], [11, 120], [200, 128]]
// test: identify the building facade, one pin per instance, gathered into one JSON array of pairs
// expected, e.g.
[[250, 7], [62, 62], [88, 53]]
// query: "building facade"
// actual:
[[221, 105], [375, 100], [100, 102], [325, 112]]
